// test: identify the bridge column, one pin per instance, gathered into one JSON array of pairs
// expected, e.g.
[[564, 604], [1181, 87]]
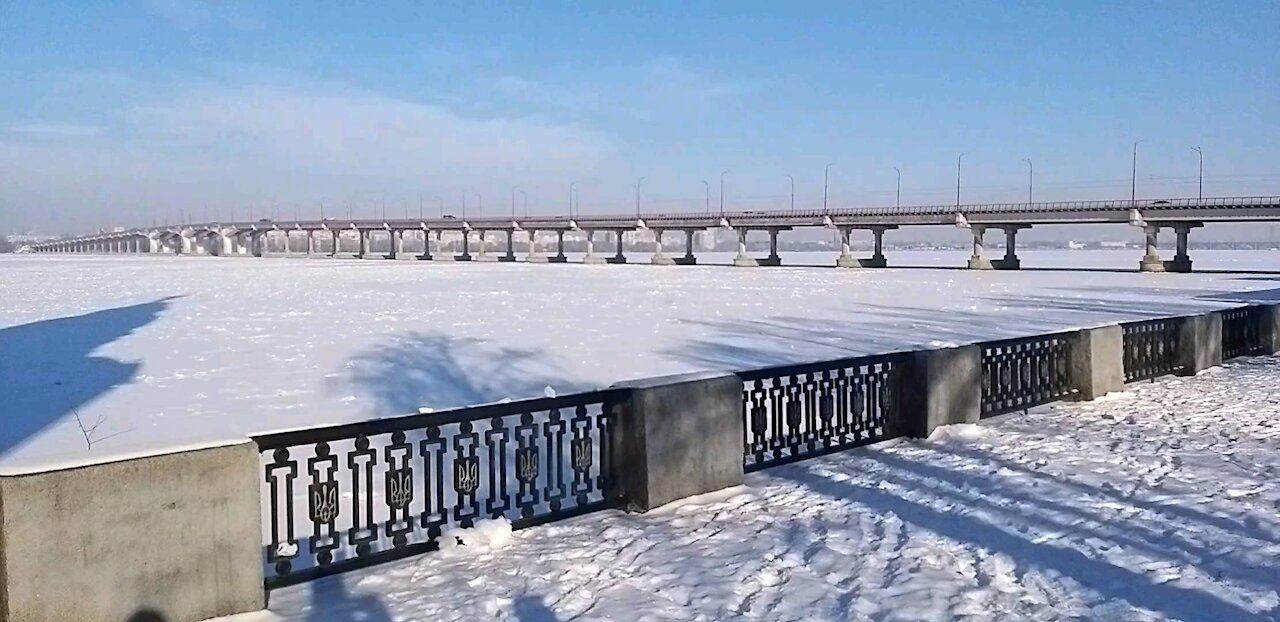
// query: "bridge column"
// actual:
[[878, 259], [466, 246], [560, 256], [1151, 261], [311, 242], [619, 257], [979, 259], [1010, 260], [484, 255], [426, 244], [591, 256], [846, 258], [773, 259], [688, 259], [510, 255], [1181, 260], [442, 253], [364, 243], [742, 259], [393, 244], [257, 240], [534, 255], [659, 259]]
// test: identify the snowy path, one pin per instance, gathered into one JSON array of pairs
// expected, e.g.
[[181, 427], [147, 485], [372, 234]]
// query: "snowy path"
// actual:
[[159, 351], [1158, 503]]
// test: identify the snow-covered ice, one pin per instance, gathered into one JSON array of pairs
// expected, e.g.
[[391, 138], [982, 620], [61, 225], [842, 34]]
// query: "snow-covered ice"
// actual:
[[151, 352], [1163, 505]]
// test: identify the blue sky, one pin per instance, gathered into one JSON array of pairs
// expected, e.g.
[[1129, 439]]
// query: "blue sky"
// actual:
[[119, 113]]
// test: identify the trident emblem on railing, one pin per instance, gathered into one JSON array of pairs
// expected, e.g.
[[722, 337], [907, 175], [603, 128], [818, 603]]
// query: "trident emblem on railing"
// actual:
[[466, 475], [581, 450], [527, 464], [324, 502], [399, 488]]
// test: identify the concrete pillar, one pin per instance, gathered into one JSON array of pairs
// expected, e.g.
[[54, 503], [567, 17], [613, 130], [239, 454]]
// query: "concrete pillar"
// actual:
[[534, 255], [560, 257], [1010, 260], [364, 243], [426, 245], [846, 259], [680, 436], [591, 256], [659, 259], [1181, 259], [484, 255], [510, 255], [619, 257], [773, 259], [393, 244], [466, 246], [311, 243], [442, 253], [878, 259], [688, 259], [1199, 342], [1151, 261], [945, 388], [979, 259], [177, 535], [1097, 361], [742, 259]]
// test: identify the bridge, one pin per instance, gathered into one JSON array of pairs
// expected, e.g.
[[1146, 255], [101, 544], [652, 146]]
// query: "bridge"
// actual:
[[251, 238]]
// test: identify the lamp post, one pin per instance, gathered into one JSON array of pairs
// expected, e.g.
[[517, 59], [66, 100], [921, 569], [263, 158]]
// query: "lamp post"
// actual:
[[825, 176], [572, 184], [464, 206], [1200, 192], [577, 203], [959, 158], [638, 196], [1031, 179], [513, 201], [722, 174], [793, 191], [1133, 181], [707, 187], [897, 201]]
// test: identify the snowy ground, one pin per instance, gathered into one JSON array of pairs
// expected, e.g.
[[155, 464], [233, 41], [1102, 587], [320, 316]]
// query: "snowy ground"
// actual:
[[1159, 503], [148, 352]]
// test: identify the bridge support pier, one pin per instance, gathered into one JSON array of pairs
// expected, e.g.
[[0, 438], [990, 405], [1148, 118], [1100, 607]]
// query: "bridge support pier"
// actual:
[[979, 259], [1010, 260], [1181, 260], [618, 258], [877, 256], [659, 259], [442, 252], [257, 239], [688, 259], [742, 259], [846, 259], [483, 254], [773, 259], [1151, 261], [333, 237], [395, 244], [364, 243], [426, 245], [560, 256], [534, 256], [466, 246], [511, 247], [592, 257]]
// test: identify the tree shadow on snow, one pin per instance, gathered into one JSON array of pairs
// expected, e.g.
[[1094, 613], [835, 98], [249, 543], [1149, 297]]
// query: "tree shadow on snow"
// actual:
[[434, 370], [48, 371], [959, 504], [332, 601]]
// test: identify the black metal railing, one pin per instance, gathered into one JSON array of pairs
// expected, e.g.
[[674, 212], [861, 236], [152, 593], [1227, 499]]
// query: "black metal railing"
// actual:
[[1018, 374], [1150, 349], [349, 496], [1242, 332], [800, 411]]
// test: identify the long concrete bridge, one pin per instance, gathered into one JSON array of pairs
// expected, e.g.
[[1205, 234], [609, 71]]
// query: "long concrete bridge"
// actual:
[[251, 238]]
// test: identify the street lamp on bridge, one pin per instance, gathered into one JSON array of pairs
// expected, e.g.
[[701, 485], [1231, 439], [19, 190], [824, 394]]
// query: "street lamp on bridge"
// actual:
[[793, 191], [825, 175], [959, 159], [722, 174], [1133, 181], [897, 201], [641, 179], [1031, 179], [1200, 192], [572, 185], [707, 187]]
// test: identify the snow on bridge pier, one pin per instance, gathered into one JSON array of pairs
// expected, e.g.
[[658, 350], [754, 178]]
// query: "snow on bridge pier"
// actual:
[[427, 236]]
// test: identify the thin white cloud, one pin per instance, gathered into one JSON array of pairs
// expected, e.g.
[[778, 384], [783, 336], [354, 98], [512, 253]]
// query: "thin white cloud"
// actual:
[[54, 129]]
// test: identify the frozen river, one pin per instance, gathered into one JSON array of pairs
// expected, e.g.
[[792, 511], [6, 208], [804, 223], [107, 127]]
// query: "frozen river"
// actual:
[[106, 355]]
